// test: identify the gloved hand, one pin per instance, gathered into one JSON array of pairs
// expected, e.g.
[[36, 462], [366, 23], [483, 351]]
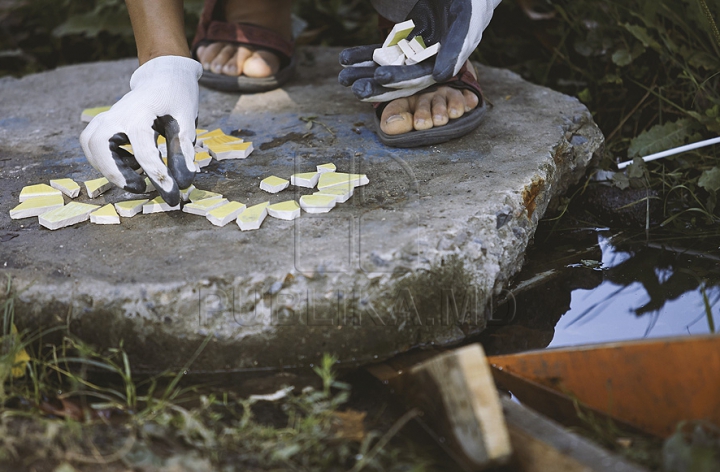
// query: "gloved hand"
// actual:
[[457, 25], [163, 99]]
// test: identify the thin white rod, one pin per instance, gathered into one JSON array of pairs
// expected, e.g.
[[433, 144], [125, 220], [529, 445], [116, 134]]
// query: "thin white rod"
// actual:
[[671, 152]]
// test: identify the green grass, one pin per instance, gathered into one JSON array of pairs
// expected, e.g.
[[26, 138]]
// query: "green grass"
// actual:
[[83, 408]]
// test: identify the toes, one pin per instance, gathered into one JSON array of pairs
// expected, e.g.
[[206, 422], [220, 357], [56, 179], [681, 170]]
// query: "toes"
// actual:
[[217, 64], [439, 109], [396, 118], [471, 100], [241, 56], [230, 67], [206, 54], [423, 116], [261, 64], [455, 103]]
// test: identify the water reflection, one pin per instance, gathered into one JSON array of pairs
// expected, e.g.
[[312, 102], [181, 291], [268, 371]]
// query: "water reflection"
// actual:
[[613, 288]]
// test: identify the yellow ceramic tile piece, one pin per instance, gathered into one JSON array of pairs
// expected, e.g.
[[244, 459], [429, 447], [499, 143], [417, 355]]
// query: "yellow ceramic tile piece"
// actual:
[[231, 151], [399, 31], [197, 195], [203, 159], [149, 187], [317, 203], [38, 190], [342, 193], [199, 131], [158, 205], [225, 139], [423, 55], [288, 210], [105, 216], [417, 44], [404, 46], [161, 140], [70, 214], [223, 215], [273, 184], [36, 206], [185, 194], [210, 134], [89, 113], [67, 186], [330, 179], [329, 167], [130, 208], [202, 207], [127, 147], [253, 217], [97, 187], [305, 179]]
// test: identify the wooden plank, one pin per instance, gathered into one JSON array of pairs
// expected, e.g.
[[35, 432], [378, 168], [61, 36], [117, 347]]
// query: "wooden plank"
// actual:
[[650, 384]]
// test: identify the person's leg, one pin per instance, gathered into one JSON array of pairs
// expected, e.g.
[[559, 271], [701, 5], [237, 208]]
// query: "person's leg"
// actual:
[[233, 60]]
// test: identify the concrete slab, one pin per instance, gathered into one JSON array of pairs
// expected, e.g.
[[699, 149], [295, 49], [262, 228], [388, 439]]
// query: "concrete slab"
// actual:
[[414, 258]]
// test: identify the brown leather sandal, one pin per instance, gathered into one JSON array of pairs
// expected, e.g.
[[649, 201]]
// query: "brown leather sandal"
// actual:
[[212, 28]]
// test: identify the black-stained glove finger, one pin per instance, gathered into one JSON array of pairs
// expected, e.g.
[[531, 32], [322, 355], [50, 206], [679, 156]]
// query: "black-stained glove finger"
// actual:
[[350, 75], [370, 91], [453, 41], [398, 74], [126, 164], [358, 56], [177, 164]]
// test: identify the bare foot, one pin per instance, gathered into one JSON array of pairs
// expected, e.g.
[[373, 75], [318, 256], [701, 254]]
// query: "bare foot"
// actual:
[[233, 60], [426, 110]]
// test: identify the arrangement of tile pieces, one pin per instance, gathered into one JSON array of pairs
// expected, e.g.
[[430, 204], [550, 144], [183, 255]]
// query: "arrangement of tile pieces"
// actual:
[[158, 205], [288, 210], [274, 184], [97, 187], [105, 216], [70, 214], [398, 51], [222, 152], [253, 217], [130, 208], [38, 190], [67, 186], [202, 207], [89, 113], [333, 179], [317, 203], [224, 214], [305, 179], [36, 206]]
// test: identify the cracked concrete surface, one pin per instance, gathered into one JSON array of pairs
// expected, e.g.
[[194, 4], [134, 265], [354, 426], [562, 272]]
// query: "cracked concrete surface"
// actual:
[[414, 258]]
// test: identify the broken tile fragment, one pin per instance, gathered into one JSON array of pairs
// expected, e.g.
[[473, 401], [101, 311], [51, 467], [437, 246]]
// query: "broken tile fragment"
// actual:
[[224, 139], [417, 44], [97, 187], [202, 207], [423, 55], [341, 193], [67, 186], [36, 206], [390, 56], [404, 46], [225, 214], [38, 190], [209, 135], [274, 184], [105, 216], [317, 203], [197, 195], [185, 194], [253, 217], [400, 31], [231, 151], [130, 208], [329, 167], [70, 214], [149, 187], [305, 179], [203, 159], [288, 210], [89, 113], [158, 205], [331, 179]]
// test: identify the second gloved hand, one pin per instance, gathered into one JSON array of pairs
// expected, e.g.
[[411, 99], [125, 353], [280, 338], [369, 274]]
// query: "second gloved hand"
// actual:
[[163, 99], [457, 25]]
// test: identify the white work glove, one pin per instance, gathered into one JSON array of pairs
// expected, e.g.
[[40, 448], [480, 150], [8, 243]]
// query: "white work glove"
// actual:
[[457, 25], [163, 100]]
